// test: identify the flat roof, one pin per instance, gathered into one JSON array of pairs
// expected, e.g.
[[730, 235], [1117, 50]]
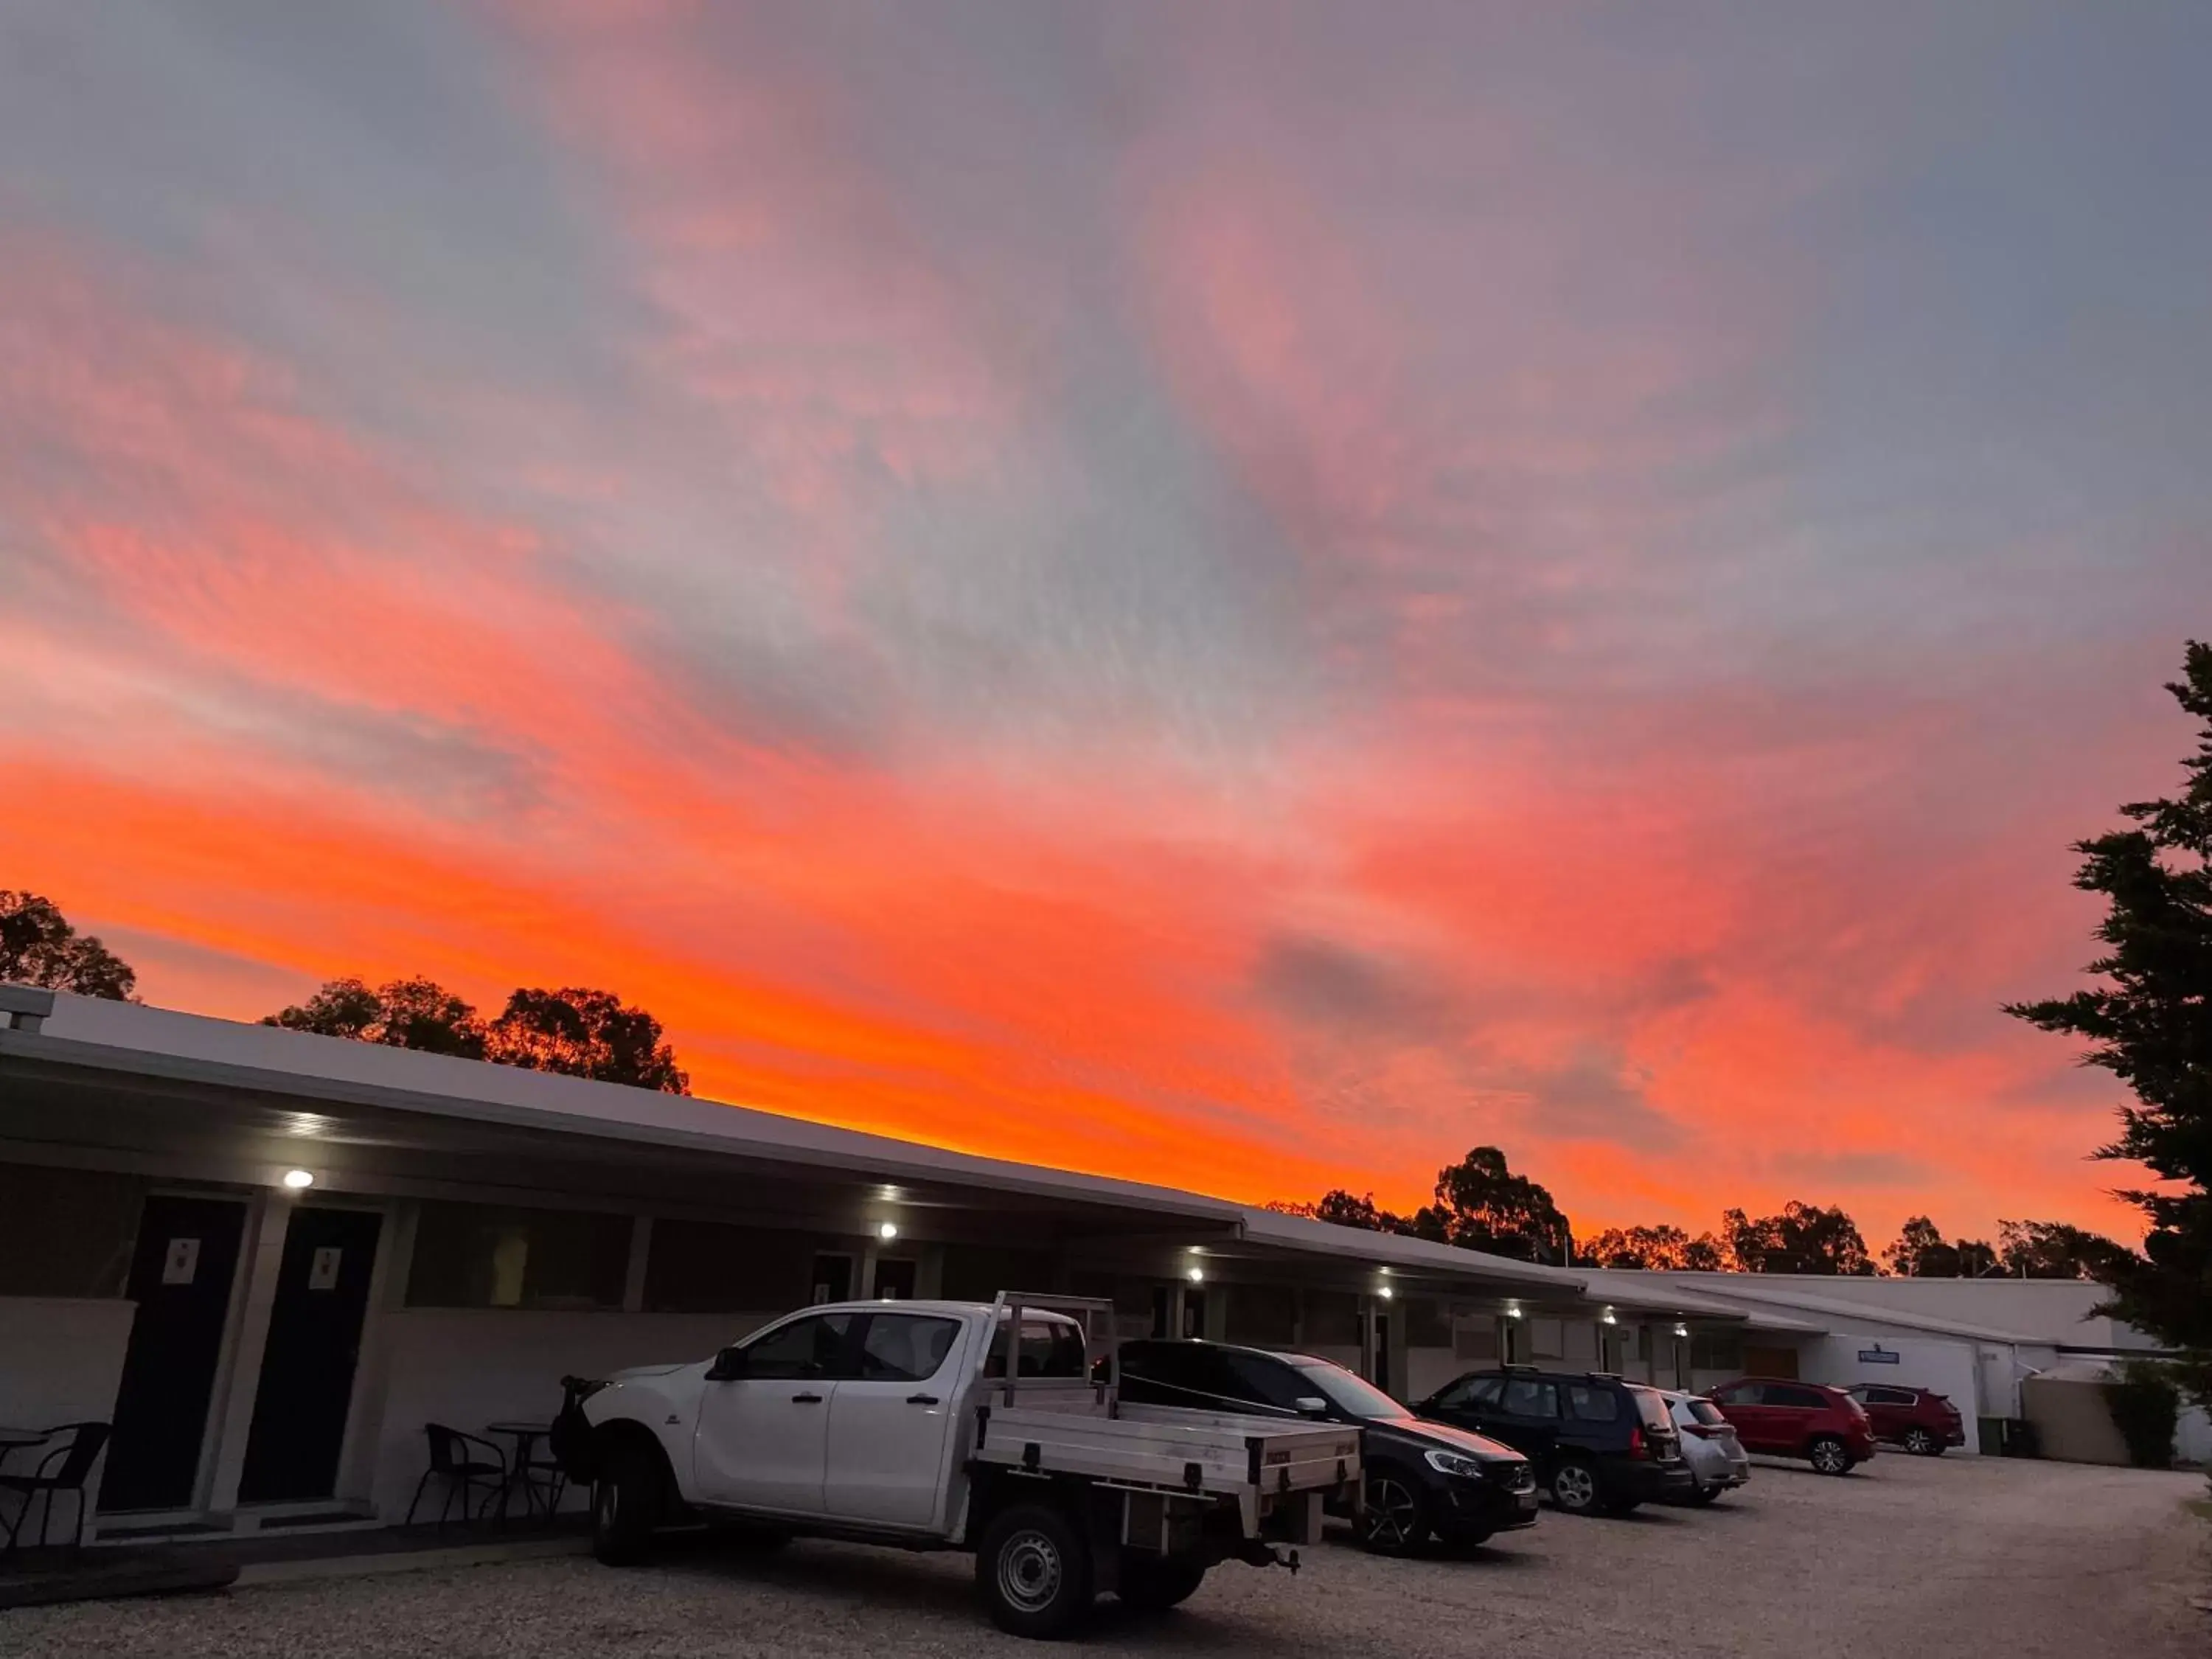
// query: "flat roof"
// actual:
[[133, 1040]]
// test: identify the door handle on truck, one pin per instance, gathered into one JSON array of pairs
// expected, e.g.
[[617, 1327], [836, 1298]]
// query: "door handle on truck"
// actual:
[[807, 1400], [921, 1400]]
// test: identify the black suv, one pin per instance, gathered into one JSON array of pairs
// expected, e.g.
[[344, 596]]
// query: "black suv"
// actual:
[[1421, 1478], [1601, 1445]]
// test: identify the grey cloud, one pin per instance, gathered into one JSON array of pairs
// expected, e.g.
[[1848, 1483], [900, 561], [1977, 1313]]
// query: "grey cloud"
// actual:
[[1853, 1168], [1322, 982]]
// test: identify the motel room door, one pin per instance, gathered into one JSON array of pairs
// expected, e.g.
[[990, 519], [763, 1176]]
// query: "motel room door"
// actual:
[[313, 1349], [181, 1272]]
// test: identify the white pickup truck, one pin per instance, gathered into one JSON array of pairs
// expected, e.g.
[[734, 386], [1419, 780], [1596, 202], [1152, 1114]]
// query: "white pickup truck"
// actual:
[[904, 1423]]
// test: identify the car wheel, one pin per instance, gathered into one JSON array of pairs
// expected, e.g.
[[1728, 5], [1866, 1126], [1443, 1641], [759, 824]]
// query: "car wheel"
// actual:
[[1921, 1443], [1829, 1455], [627, 1504], [1149, 1584], [1574, 1486], [1394, 1521], [1034, 1572]]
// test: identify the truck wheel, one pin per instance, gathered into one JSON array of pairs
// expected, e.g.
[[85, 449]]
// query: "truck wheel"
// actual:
[[1149, 1584], [1829, 1455], [1034, 1569], [627, 1504]]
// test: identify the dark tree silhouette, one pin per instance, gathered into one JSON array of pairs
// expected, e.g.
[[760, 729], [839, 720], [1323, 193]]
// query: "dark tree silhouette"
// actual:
[[1804, 1239], [1481, 1205], [2054, 1250], [2149, 1023], [1921, 1251], [585, 1033], [1656, 1249], [403, 1014], [1339, 1208], [38, 946]]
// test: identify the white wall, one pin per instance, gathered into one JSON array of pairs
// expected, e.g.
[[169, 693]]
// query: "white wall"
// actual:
[[468, 1367], [61, 1361], [1428, 1369], [1948, 1367], [2192, 1435], [61, 1358]]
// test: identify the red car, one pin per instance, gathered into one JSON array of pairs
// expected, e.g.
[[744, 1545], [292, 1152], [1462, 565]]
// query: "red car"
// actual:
[[1823, 1425], [1921, 1420]]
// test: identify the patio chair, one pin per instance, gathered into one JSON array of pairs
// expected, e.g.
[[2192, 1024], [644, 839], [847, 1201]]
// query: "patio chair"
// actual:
[[453, 1460], [62, 1467]]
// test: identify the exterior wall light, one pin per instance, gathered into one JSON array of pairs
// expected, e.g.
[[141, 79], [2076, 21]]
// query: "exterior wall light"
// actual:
[[1385, 1292], [1513, 1310], [1196, 1275], [298, 1180], [887, 1232], [1609, 1317], [1682, 1330]]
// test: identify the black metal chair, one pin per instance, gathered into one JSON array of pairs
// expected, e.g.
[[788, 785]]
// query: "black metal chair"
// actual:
[[63, 1468], [453, 1460]]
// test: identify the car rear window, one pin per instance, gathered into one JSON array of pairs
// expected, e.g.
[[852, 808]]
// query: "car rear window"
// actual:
[[1050, 1347], [1592, 1402], [1705, 1412]]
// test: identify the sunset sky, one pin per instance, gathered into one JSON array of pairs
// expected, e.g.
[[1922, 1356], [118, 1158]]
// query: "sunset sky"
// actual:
[[1249, 596]]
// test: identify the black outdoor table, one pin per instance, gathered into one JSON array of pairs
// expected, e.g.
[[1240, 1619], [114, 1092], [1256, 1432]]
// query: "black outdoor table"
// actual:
[[524, 1435]]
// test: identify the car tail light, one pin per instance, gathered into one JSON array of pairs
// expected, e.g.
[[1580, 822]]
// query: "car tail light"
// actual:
[[1636, 1443]]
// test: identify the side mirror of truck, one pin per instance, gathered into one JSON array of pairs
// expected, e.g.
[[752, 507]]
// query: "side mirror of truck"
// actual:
[[1312, 1405], [729, 1364]]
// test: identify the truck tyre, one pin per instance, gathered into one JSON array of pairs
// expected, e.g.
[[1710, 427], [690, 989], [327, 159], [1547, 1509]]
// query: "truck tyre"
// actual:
[[1033, 1571], [626, 1503], [1149, 1584], [1829, 1455]]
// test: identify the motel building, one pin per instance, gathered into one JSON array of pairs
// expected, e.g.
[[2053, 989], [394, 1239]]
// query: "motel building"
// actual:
[[268, 1260]]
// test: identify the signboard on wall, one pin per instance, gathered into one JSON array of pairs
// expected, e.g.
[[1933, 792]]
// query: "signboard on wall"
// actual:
[[1877, 1355]]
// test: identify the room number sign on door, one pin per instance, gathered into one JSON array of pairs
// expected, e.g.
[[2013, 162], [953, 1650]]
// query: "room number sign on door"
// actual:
[[181, 1261], [322, 1268]]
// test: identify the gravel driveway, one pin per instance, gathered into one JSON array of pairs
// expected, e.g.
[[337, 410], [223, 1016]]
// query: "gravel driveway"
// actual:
[[1961, 1557]]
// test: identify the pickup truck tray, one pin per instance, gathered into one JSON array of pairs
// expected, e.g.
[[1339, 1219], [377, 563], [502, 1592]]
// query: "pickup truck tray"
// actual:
[[1167, 1448]]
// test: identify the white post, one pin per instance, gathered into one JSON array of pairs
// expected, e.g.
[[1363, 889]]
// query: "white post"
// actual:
[[243, 1383]]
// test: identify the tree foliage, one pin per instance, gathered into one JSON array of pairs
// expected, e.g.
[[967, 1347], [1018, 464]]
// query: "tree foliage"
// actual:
[[2149, 1023], [1804, 1239], [1660, 1248], [1921, 1251], [2145, 1406], [2055, 1249], [575, 1031], [402, 1013], [585, 1033], [1481, 1205], [38, 946]]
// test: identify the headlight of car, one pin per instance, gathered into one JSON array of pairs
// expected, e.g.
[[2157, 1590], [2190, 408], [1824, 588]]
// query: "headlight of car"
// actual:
[[1451, 1462]]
